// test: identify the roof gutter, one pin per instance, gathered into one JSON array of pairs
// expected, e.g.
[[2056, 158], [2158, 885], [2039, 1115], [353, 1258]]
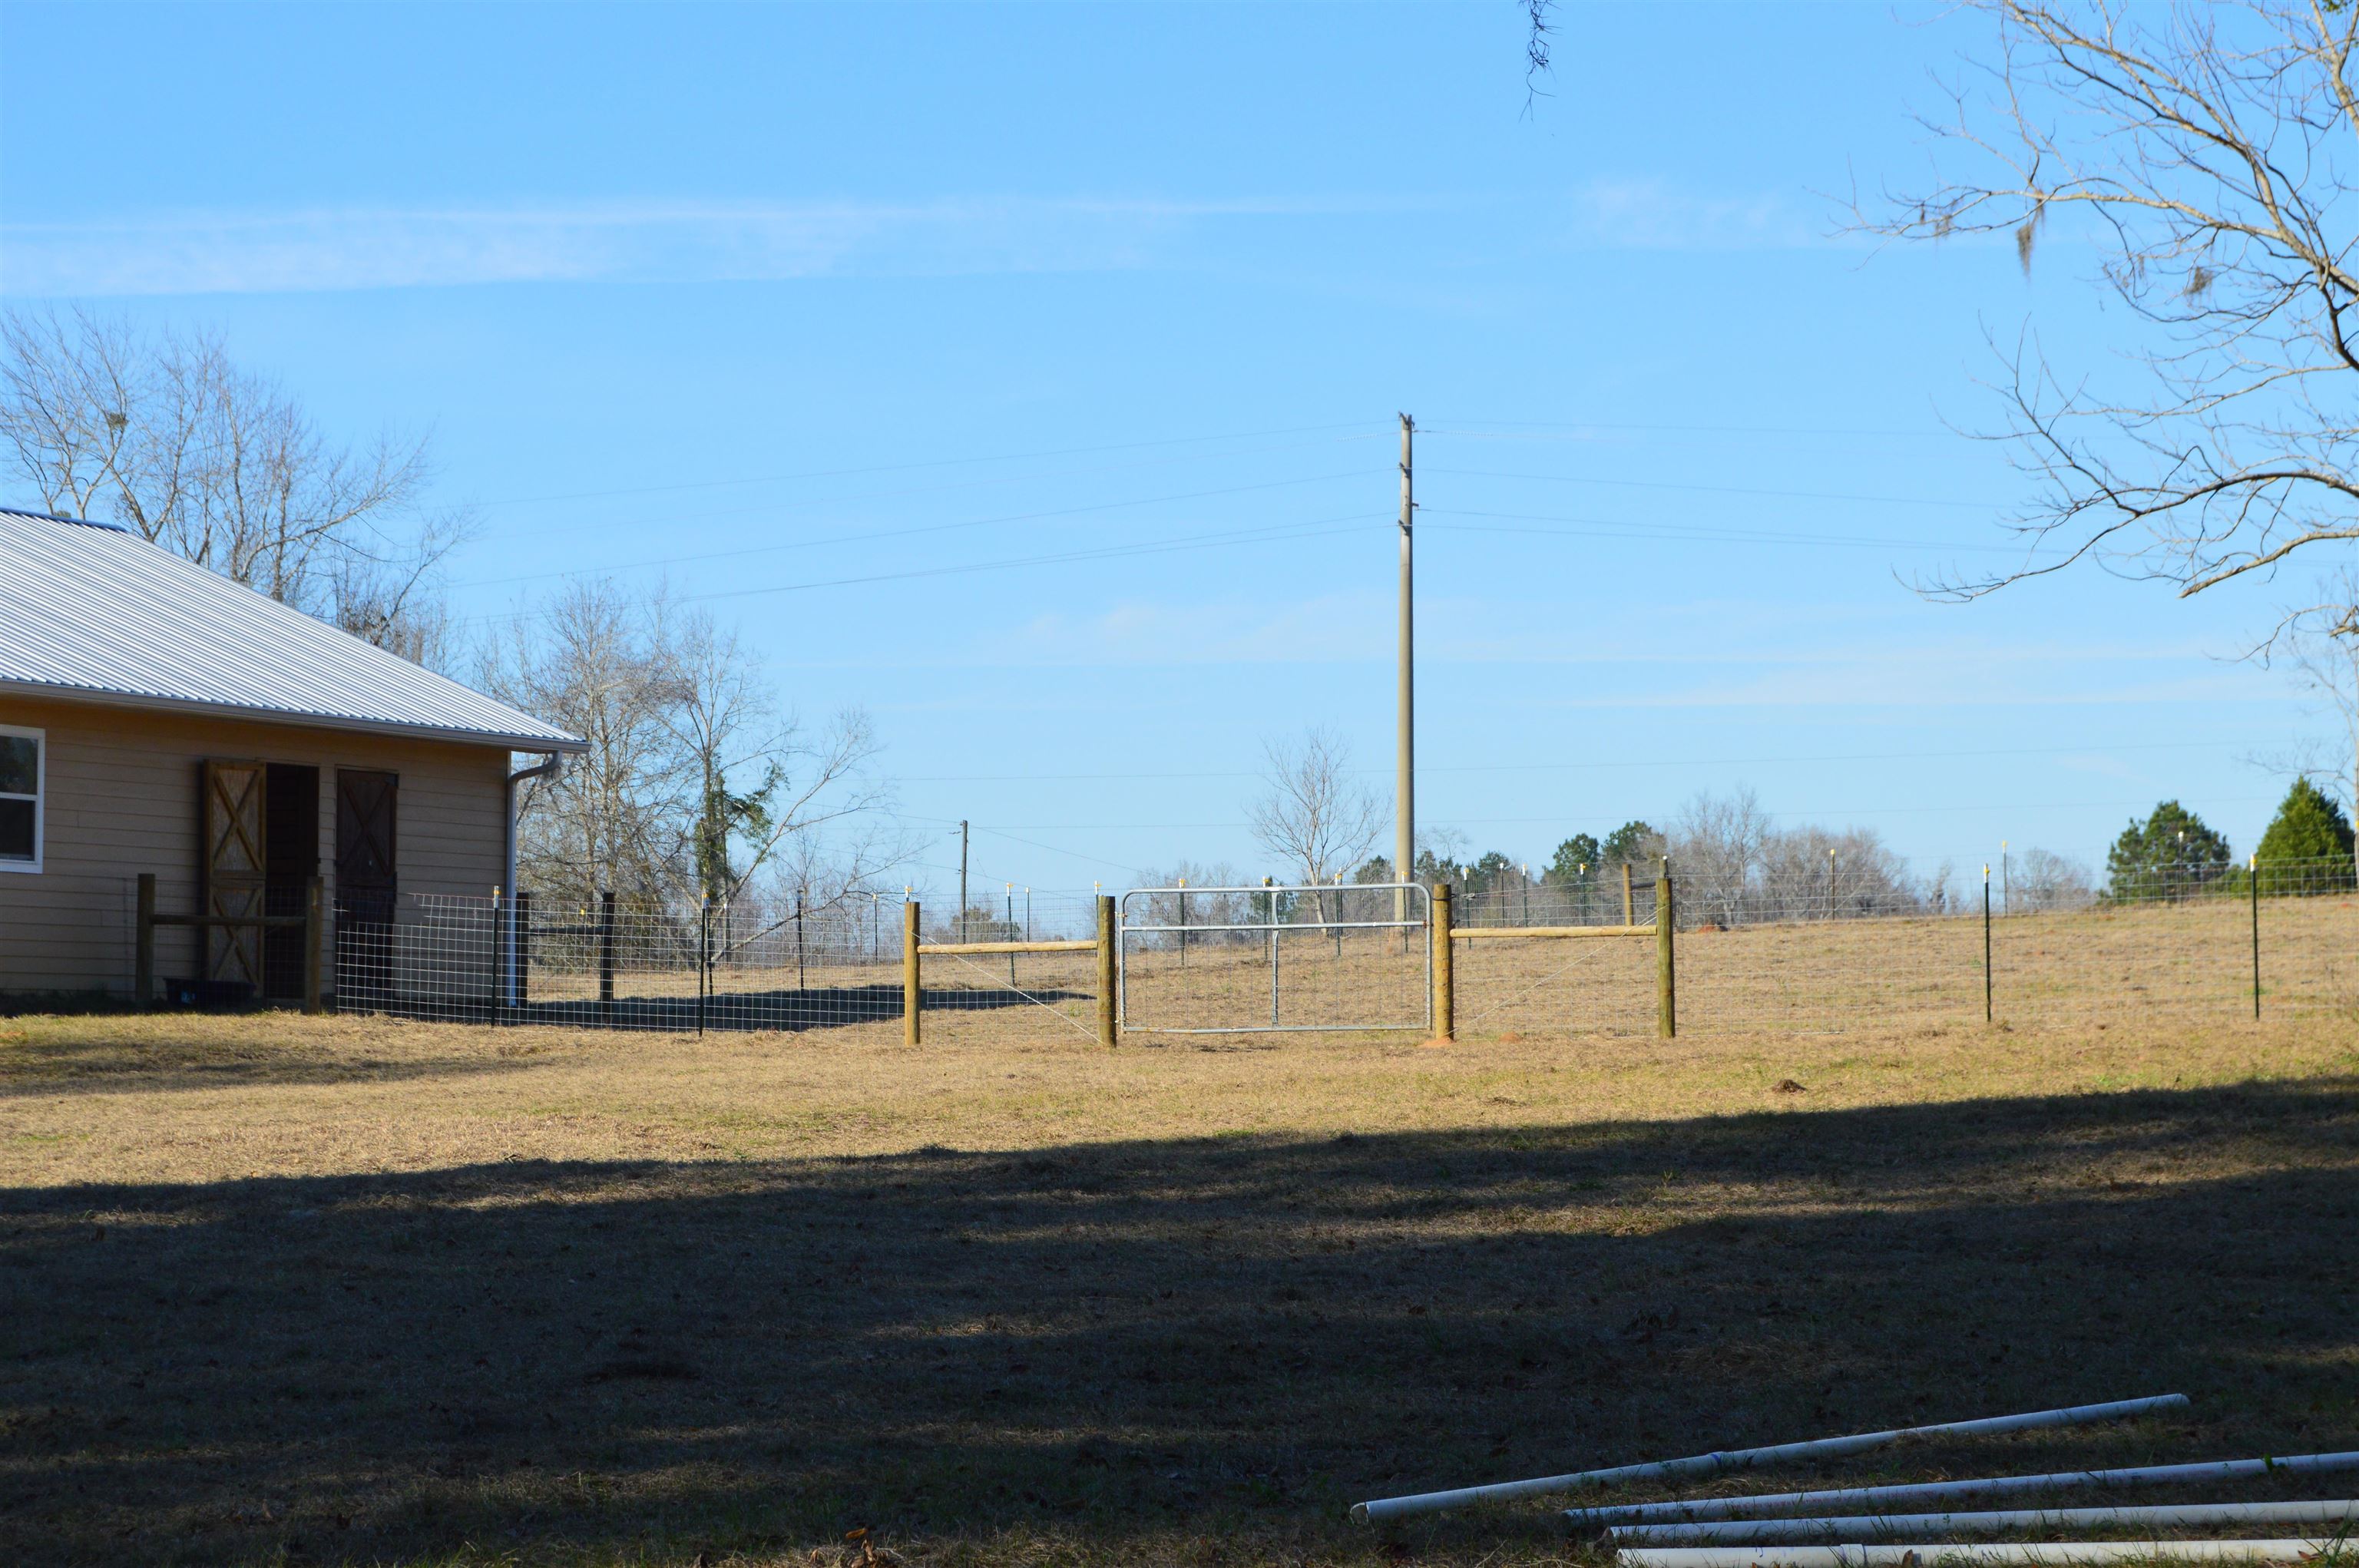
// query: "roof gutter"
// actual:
[[551, 764]]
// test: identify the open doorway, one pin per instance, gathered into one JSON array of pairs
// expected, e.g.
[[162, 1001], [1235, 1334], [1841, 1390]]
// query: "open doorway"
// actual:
[[290, 860]]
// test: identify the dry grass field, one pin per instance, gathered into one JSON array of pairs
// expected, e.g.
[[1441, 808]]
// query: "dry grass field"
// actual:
[[349, 1291]]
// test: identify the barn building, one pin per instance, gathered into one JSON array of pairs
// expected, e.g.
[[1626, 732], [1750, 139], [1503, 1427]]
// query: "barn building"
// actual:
[[156, 717]]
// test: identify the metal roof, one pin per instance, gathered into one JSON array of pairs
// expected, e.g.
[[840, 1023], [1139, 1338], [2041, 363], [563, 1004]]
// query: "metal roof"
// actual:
[[92, 613]]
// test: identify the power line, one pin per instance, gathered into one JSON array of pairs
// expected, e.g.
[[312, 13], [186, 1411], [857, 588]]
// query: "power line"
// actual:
[[905, 533], [1274, 533], [905, 467], [1584, 766], [1719, 489], [1807, 811], [1607, 527], [1513, 424], [672, 519]]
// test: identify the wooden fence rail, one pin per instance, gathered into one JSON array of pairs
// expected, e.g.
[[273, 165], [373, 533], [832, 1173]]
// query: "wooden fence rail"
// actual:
[[309, 921], [914, 951], [1446, 931]]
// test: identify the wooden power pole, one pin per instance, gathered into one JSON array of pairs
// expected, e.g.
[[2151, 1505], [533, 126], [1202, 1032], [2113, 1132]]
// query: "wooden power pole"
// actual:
[[1404, 784], [961, 920]]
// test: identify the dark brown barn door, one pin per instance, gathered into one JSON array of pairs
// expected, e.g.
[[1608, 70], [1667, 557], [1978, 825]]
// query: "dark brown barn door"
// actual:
[[234, 867], [291, 857], [366, 841]]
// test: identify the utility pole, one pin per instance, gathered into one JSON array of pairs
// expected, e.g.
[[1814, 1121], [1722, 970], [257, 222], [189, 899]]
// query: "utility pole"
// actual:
[[1404, 784], [961, 920]]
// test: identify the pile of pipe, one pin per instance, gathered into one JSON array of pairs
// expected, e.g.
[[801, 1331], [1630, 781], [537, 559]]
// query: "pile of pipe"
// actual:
[[1868, 1527]]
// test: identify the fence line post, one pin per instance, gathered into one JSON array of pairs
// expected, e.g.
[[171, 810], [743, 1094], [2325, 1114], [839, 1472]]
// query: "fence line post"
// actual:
[[1109, 1030], [912, 993], [501, 937], [2253, 872], [1987, 946], [314, 928], [1629, 913], [1183, 922], [143, 946], [798, 952], [520, 950], [1445, 999], [1666, 998], [703, 958], [606, 949]]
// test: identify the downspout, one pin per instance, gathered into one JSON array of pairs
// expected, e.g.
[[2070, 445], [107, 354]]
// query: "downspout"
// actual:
[[552, 762]]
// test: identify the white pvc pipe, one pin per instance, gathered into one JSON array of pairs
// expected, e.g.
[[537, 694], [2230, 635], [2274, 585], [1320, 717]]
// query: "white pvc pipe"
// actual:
[[1741, 1458], [1932, 1555], [1934, 1491], [1874, 1527]]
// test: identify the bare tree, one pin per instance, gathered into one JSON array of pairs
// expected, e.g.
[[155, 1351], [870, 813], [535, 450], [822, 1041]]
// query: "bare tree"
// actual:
[[2324, 660], [2041, 882], [620, 816], [697, 784], [167, 436], [1716, 846], [762, 780], [2208, 149], [1315, 818]]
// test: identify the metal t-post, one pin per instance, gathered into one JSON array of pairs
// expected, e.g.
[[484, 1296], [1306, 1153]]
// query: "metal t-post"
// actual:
[[1987, 946]]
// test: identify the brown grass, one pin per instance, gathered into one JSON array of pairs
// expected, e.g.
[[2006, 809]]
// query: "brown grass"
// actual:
[[353, 1290]]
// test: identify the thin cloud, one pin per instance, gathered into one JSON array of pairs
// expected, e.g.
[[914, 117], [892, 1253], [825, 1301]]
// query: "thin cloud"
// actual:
[[348, 249], [1654, 214]]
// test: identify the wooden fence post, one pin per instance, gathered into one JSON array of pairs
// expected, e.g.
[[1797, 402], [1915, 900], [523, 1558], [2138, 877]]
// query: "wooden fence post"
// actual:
[[605, 949], [1445, 997], [1667, 1000], [913, 996], [1109, 1025], [1629, 910], [314, 930], [143, 961]]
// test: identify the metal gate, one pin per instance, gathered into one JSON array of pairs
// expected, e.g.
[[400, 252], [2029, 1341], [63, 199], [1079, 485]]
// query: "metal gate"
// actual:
[[1276, 959]]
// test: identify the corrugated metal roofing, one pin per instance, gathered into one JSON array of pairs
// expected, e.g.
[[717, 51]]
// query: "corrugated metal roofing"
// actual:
[[91, 610]]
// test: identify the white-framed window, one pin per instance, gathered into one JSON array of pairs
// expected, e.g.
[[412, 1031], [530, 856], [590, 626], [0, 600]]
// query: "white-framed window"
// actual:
[[23, 761]]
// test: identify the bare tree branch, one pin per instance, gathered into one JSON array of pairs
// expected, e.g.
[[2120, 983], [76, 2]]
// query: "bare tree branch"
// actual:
[[168, 437], [2209, 151]]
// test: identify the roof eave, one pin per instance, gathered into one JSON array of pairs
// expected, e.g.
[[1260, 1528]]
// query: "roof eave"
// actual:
[[146, 703]]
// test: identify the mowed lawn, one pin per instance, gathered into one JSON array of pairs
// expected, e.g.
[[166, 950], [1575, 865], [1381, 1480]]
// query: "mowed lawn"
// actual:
[[278, 1289]]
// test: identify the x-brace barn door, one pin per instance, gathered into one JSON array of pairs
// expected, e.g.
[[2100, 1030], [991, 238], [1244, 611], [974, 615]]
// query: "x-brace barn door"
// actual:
[[233, 868]]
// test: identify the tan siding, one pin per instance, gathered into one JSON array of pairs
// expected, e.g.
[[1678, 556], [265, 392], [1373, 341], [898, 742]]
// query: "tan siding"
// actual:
[[121, 799]]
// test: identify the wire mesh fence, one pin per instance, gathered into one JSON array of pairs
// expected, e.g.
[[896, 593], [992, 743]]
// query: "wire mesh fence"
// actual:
[[1825, 947], [619, 963], [1280, 959], [1813, 949]]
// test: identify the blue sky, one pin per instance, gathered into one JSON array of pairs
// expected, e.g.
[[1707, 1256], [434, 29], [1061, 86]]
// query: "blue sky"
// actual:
[[785, 305]]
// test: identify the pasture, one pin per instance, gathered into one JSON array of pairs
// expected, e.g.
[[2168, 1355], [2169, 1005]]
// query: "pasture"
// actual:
[[349, 1290]]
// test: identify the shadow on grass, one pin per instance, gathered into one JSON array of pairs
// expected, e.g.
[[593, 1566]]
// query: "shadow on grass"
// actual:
[[1126, 1348], [81, 1064], [791, 1011]]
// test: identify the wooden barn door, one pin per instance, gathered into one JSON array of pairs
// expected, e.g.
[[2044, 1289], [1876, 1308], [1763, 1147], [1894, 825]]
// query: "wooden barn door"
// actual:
[[365, 885], [233, 868]]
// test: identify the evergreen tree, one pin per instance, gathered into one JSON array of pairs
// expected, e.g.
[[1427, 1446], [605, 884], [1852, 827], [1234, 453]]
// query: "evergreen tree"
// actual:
[[1576, 862], [2307, 846], [2171, 854], [1632, 842]]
